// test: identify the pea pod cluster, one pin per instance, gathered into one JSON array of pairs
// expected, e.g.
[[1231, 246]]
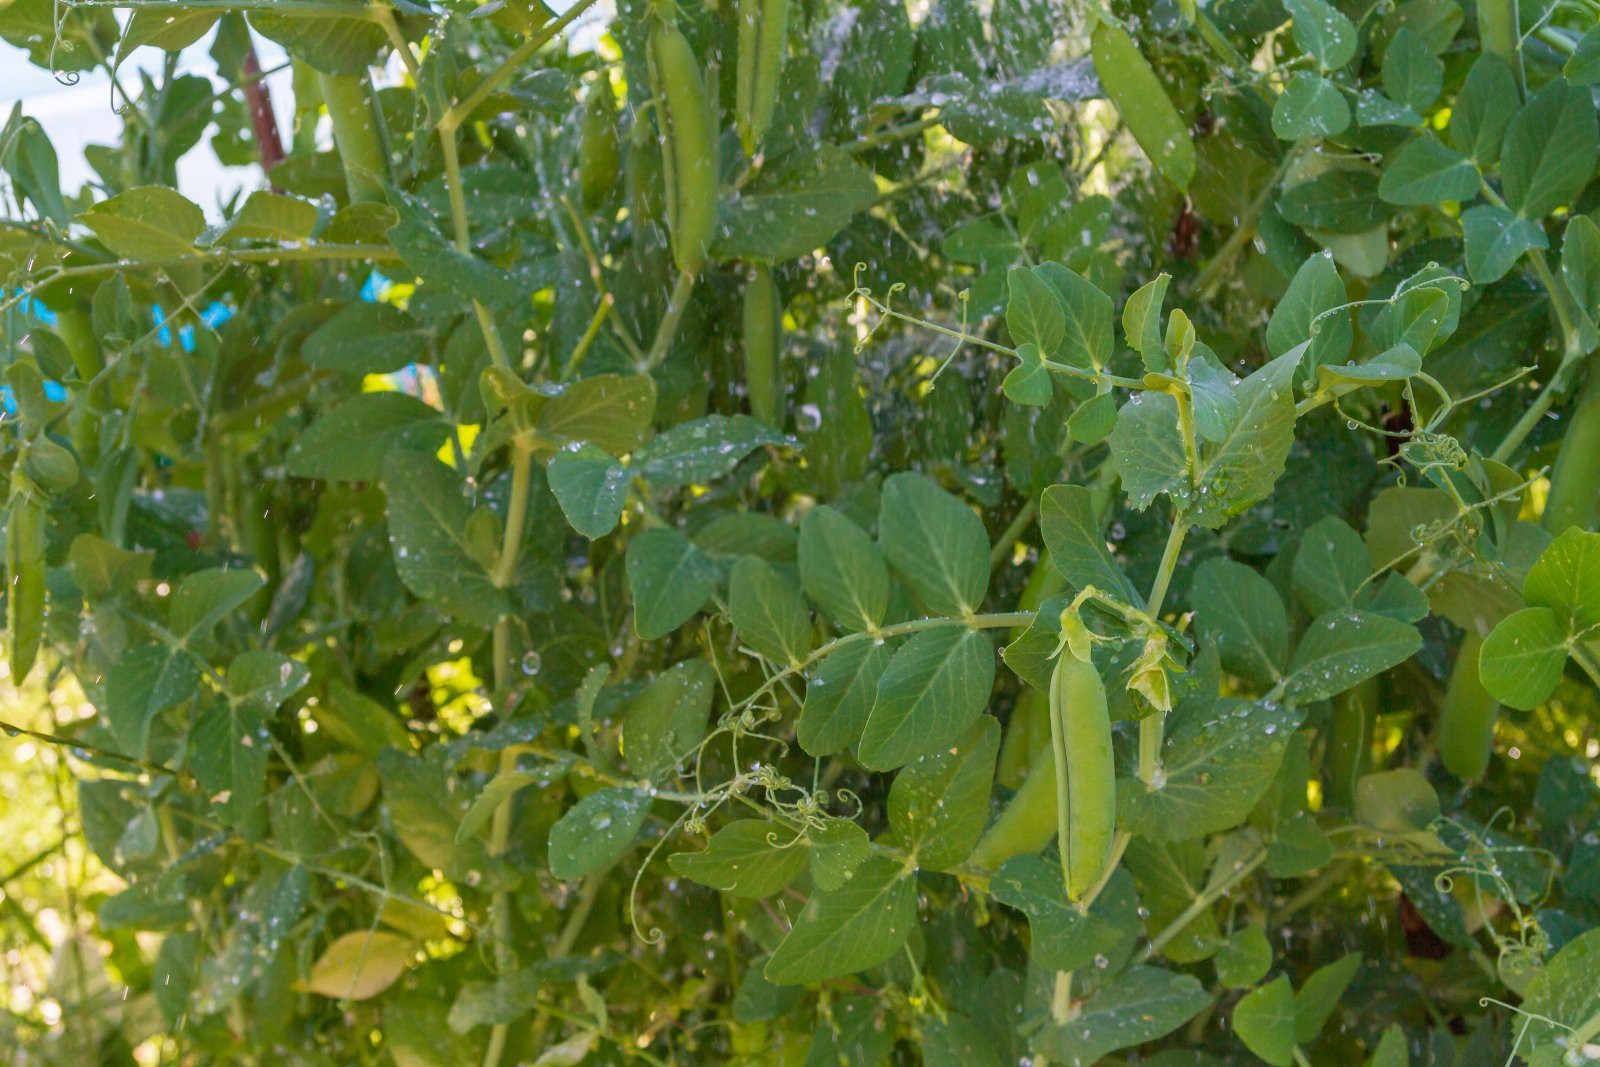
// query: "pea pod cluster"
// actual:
[[763, 33], [688, 147]]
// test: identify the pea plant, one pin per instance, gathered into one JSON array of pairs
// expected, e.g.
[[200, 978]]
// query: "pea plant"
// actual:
[[807, 532]]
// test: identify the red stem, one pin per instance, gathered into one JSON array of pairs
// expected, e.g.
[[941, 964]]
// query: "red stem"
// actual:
[[263, 122]]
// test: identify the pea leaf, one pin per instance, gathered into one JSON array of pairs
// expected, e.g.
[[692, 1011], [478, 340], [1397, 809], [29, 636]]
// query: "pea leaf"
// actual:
[[597, 831], [1139, 1005], [702, 450], [856, 926], [1218, 761], [329, 43], [1523, 657], [1244, 464], [428, 529], [360, 965], [1483, 109], [1412, 74], [1077, 544], [1562, 996], [1341, 648], [665, 722], [1315, 288], [1034, 313], [939, 802], [1315, 1000], [1330, 565], [367, 339], [768, 612], [1064, 937], [795, 209], [936, 543], [1309, 106], [1549, 150], [842, 570], [1241, 613], [1264, 1021], [1029, 381], [1424, 171], [840, 696], [670, 580], [933, 688], [610, 411], [149, 222], [1323, 31], [267, 216], [1583, 66], [349, 441], [747, 858], [1243, 958], [591, 488], [1088, 339], [1339, 201], [1566, 579]]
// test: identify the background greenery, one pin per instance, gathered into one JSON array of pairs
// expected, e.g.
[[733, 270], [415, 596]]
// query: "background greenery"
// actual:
[[574, 572]]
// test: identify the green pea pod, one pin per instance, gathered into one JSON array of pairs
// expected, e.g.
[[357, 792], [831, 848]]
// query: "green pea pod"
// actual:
[[599, 148], [1027, 735], [1029, 820], [1086, 774], [24, 581], [1348, 754], [1499, 32], [763, 34], [688, 147], [646, 186], [1575, 481], [1137, 94], [51, 466], [763, 333], [1466, 722]]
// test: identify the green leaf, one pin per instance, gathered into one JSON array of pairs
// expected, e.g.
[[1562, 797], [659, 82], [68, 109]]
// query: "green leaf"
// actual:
[[842, 570], [670, 580], [1560, 999], [1264, 1020], [1391, 1050], [1324, 32], [101, 569], [840, 696], [1523, 657], [936, 543], [150, 222], [665, 722], [231, 749], [838, 847], [1034, 313], [329, 43], [857, 926], [1309, 106], [1218, 761], [794, 209], [933, 688], [768, 612], [367, 338], [1088, 341], [1139, 1005], [591, 488], [1583, 66], [203, 598], [1243, 467], [1063, 936], [1077, 544], [1147, 448], [1391, 365], [1566, 579], [939, 802], [268, 217], [702, 450], [428, 530], [1141, 322], [746, 858], [1298, 847], [170, 30], [1315, 1000], [1398, 801], [1093, 420], [597, 831], [1483, 109], [1240, 613], [1316, 288], [31, 161], [609, 411], [1243, 958], [1339, 201], [360, 965], [1412, 74], [1029, 381], [1212, 398], [1549, 151], [1580, 263], [1424, 171], [1330, 566], [348, 442], [1341, 648]]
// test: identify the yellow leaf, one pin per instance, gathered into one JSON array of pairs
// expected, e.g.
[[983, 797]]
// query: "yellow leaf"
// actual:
[[360, 965]]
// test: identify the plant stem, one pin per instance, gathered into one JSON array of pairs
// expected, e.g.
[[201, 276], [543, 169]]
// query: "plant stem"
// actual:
[[349, 102], [516, 513], [1203, 900], [1008, 539], [668, 327], [459, 112], [1169, 562]]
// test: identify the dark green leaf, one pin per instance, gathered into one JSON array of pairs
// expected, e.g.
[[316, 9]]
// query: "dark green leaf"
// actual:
[[428, 529], [935, 685], [670, 580], [1264, 1020], [840, 696], [856, 926], [1342, 648], [747, 858], [936, 543], [367, 339], [591, 488], [597, 831], [842, 570], [768, 612], [939, 802], [348, 443]]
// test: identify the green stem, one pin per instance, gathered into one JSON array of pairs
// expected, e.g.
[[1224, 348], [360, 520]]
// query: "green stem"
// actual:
[[1203, 900], [668, 327], [349, 102], [516, 514], [1008, 539], [459, 113]]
